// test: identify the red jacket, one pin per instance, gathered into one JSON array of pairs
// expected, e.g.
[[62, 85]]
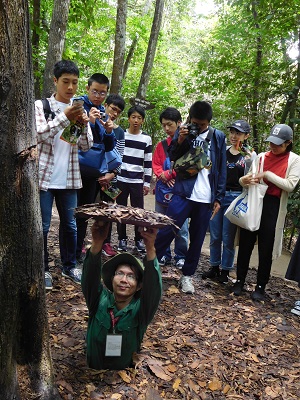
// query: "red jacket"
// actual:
[[158, 160]]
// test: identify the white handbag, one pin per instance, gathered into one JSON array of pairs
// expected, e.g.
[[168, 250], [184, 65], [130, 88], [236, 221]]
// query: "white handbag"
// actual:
[[245, 211]]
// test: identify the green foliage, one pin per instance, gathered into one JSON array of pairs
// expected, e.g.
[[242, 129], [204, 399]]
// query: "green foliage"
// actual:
[[236, 57]]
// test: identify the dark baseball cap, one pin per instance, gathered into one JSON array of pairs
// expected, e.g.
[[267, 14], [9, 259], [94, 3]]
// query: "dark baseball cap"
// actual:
[[241, 126], [279, 134]]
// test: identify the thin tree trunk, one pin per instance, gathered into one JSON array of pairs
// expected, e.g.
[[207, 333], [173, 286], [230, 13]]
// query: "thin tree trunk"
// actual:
[[290, 106], [149, 60], [130, 55], [56, 42], [254, 104], [24, 335], [35, 46], [119, 52]]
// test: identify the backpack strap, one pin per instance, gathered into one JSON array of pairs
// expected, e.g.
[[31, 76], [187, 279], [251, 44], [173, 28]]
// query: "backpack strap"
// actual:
[[165, 147], [210, 133], [47, 109]]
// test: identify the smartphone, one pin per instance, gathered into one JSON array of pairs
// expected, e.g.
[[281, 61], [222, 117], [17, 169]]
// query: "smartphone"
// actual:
[[78, 101]]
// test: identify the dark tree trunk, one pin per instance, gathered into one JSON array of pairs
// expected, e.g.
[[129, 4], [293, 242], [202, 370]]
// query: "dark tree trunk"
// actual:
[[56, 42], [119, 52], [130, 55], [24, 336], [36, 17], [148, 64]]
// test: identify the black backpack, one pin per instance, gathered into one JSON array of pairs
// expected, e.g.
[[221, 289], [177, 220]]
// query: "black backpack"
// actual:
[[47, 109]]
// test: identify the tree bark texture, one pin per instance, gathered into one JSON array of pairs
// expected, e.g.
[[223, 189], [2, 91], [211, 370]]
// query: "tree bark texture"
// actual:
[[56, 42], [149, 60], [119, 52], [36, 18], [24, 336], [130, 55]]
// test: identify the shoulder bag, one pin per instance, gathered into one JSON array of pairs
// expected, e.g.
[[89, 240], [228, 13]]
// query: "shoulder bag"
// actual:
[[245, 211], [96, 161]]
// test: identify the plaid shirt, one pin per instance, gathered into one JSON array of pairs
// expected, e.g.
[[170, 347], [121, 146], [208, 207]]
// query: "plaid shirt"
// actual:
[[46, 131]]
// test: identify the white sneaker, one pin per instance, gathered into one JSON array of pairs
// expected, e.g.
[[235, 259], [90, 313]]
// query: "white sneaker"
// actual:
[[296, 310], [186, 284], [297, 303], [48, 281], [180, 263]]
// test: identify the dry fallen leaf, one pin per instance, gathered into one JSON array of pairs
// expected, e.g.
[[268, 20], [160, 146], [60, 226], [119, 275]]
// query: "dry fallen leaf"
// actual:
[[90, 388], [173, 290], [254, 357], [117, 396], [176, 384], [226, 389], [215, 384], [126, 378], [159, 372]]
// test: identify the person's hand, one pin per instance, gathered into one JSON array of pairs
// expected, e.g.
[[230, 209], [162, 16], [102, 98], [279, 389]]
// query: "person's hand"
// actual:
[[171, 183], [94, 114], [162, 177], [83, 119], [183, 133], [215, 210], [108, 125], [253, 179], [146, 190], [99, 231], [105, 179], [149, 236], [74, 111]]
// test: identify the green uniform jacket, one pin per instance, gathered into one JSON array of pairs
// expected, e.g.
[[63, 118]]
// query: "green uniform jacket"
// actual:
[[134, 318]]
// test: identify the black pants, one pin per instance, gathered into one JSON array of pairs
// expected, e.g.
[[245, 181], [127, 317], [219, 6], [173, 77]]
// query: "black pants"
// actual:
[[136, 193], [265, 236]]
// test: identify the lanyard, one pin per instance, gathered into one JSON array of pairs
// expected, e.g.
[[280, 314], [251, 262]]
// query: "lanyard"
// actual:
[[114, 320]]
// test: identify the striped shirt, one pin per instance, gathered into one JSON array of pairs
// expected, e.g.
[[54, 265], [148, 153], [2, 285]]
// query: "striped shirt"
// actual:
[[137, 159], [46, 132]]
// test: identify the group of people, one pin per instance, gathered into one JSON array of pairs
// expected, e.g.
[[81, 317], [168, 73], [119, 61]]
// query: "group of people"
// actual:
[[120, 311]]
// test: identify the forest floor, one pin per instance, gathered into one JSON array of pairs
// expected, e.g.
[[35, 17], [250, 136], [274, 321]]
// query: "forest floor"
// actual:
[[210, 345]]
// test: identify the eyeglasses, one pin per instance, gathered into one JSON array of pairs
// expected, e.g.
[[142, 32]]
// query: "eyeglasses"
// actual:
[[96, 93], [129, 277], [115, 110]]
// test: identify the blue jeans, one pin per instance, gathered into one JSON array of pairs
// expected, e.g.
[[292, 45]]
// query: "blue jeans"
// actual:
[[66, 201], [179, 210], [222, 234], [181, 239]]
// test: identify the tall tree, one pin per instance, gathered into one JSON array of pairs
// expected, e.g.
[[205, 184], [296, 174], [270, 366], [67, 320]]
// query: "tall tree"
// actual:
[[152, 44], [119, 51], [292, 100], [24, 336], [56, 42], [36, 17]]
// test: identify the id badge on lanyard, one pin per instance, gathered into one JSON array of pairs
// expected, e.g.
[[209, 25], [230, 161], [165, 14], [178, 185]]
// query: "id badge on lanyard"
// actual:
[[113, 342]]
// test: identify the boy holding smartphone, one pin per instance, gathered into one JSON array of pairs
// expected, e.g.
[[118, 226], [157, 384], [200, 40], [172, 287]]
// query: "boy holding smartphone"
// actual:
[[59, 174]]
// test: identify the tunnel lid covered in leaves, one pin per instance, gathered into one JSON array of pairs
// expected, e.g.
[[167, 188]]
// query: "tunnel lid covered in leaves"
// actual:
[[123, 214]]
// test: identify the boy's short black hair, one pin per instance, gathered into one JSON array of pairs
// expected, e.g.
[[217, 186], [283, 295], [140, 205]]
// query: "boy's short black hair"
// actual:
[[201, 110], [116, 100], [65, 67], [99, 78], [137, 109], [170, 113]]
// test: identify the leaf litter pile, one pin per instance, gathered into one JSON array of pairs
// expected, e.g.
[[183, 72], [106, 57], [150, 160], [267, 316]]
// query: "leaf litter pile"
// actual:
[[123, 214], [210, 345]]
